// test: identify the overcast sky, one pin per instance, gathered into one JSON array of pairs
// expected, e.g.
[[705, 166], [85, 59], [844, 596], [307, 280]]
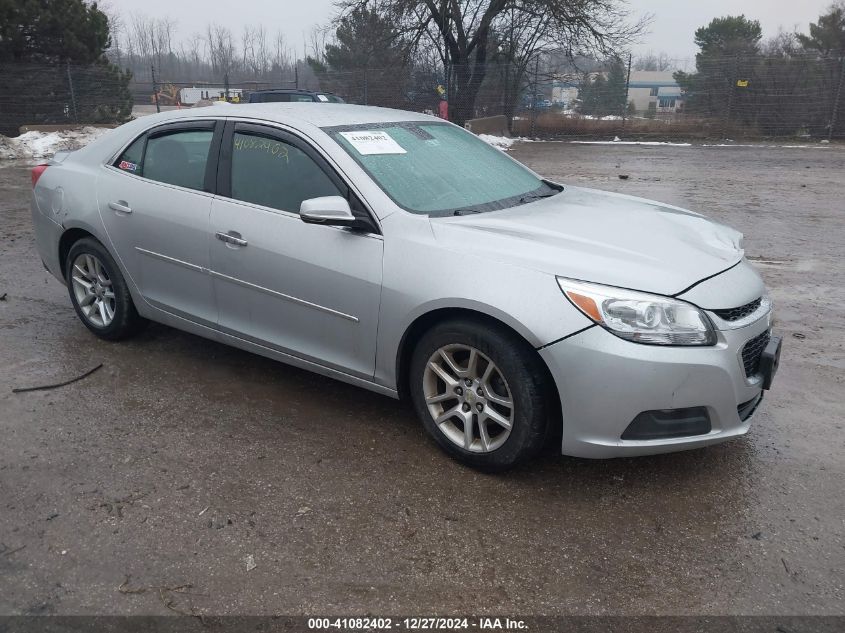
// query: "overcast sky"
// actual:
[[672, 31]]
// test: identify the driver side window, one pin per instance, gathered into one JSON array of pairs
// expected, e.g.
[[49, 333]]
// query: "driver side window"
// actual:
[[275, 174]]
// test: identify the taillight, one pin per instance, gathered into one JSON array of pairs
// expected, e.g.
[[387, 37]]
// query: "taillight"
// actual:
[[36, 173]]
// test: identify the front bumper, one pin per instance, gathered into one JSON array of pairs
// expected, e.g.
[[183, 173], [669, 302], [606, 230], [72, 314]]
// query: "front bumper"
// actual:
[[604, 382]]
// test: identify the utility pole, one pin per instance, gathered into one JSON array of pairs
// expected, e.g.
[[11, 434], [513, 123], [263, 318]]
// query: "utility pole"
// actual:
[[837, 101], [72, 94], [534, 96], [734, 78], [627, 90], [155, 87], [446, 70]]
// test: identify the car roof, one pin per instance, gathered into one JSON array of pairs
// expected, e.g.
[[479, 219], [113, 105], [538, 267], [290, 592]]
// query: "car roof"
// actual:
[[316, 114], [304, 116]]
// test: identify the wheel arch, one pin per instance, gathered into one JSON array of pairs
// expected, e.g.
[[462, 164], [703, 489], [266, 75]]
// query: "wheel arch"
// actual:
[[77, 231], [424, 322], [70, 237]]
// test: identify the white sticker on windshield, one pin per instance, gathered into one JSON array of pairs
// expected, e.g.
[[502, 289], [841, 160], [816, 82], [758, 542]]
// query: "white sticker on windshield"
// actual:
[[323, 98], [369, 142]]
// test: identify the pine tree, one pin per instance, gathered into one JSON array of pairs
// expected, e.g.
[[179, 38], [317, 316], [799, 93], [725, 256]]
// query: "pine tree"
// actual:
[[827, 36], [50, 31], [47, 45], [366, 63]]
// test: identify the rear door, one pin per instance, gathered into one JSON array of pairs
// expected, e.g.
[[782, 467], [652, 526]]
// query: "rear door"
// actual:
[[308, 290], [155, 201]]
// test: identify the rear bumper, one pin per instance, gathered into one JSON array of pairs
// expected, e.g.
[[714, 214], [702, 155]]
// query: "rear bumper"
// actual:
[[605, 382], [48, 232]]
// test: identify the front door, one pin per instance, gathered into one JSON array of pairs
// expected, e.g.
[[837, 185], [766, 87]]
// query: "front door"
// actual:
[[155, 202], [308, 290]]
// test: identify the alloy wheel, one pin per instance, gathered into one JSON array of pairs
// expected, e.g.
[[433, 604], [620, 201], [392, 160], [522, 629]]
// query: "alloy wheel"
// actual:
[[468, 398], [93, 290]]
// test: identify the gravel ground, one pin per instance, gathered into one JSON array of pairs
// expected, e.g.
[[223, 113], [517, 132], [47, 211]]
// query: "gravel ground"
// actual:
[[186, 462]]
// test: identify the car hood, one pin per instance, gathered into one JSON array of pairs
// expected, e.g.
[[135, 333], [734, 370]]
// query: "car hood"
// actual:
[[600, 237]]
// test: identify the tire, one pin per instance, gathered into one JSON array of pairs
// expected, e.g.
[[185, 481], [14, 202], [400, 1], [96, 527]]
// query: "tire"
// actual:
[[89, 264], [518, 375]]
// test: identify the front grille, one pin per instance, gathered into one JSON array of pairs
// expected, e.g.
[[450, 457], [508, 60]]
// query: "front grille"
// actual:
[[735, 314], [752, 351]]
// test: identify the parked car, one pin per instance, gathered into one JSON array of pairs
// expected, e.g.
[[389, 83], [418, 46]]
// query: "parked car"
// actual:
[[286, 95], [400, 253]]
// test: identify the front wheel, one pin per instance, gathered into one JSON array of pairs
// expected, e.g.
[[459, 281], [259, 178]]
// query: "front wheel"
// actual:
[[99, 293], [481, 393]]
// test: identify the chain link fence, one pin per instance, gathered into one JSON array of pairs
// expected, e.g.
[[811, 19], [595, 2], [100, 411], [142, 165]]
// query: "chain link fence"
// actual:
[[62, 94], [796, 96]]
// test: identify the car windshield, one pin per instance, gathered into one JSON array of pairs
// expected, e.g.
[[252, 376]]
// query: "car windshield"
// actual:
[[438, 169]]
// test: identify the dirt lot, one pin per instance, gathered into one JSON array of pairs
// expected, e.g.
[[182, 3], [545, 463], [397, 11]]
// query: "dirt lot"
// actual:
[[181, 458]]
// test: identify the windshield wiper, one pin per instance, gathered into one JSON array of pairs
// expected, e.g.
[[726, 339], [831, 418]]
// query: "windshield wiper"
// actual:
[[537, 196], [466, 211]]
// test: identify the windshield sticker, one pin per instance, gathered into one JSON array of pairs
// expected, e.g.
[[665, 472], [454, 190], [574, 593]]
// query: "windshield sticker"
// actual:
[[323, 98], [125, 165], [370, 142]]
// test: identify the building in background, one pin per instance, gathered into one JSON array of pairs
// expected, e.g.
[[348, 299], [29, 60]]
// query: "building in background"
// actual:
[[564, 93], [654, 91], [190, 96]]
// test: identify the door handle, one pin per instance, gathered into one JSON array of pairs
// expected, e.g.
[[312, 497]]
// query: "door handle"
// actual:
[[229, 238], [120, 206]]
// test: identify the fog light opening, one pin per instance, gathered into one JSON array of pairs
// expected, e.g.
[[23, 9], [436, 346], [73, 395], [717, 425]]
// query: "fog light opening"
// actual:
[[668, 423]]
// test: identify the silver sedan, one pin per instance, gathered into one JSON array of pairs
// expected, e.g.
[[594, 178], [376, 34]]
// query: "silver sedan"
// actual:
[[400, 253]]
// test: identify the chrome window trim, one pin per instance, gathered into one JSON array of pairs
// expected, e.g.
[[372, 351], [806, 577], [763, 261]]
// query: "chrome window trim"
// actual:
[[170, 122], [109, 162]]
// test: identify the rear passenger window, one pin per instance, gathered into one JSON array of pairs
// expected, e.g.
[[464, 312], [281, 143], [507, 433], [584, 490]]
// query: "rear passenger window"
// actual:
[[132, 159], [178, 158], [275, 174]]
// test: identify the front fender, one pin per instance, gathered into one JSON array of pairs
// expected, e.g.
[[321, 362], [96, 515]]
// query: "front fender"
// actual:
[[420, 276]]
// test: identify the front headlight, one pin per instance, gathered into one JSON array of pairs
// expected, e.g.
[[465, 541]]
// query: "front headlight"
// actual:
[[640, 317]]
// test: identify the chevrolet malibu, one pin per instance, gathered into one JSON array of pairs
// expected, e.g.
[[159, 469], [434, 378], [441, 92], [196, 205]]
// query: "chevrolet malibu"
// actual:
[[400, 253]]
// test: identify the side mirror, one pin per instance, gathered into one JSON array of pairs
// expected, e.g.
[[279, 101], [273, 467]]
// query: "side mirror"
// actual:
[[331, 210]]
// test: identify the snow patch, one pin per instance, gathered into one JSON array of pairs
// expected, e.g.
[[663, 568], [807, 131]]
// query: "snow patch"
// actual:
[[590, 117], [44, 144], [502, 142], [616, 141]]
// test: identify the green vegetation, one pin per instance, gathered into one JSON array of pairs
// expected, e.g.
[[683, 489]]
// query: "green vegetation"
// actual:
[[47, 46], [786, 86]]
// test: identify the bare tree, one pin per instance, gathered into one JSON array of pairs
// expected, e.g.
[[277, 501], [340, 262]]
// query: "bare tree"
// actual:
[[150, 41], [281, 65], [220, 47], [262, 51], [116, 28], [654, 61], [248, 49], [465, 30], [522, 37]]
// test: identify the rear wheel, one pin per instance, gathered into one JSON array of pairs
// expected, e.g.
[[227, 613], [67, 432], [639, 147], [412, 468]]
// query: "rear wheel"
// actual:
[[99, 293], [481, 393]]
